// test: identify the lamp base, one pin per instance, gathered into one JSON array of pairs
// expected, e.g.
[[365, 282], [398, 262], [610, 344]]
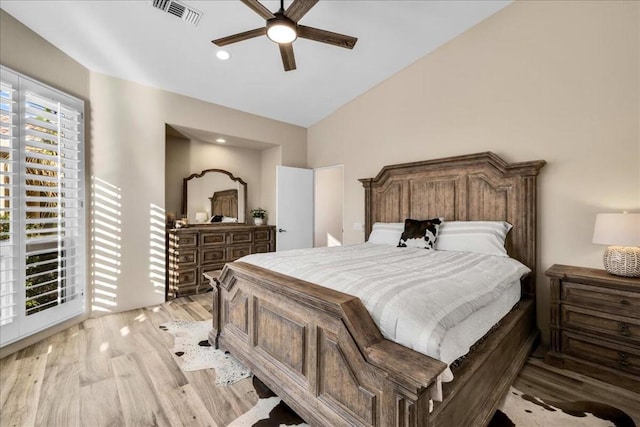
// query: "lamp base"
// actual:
[[622, 261]]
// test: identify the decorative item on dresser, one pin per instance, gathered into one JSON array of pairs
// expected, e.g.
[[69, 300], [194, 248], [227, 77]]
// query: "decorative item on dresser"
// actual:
[[622, 232], [595, 324], [197, 249]]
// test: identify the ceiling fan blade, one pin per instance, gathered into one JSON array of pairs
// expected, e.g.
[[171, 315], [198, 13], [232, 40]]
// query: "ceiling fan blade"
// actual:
[[324, 36], [288, 59], [258, 8], [299, 8], [240, 37]]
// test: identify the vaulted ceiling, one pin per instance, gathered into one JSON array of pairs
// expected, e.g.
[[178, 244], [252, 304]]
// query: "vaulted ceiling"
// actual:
[[137, 42]]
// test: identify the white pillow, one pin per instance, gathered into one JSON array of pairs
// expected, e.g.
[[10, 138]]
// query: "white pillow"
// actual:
[[485, 237], [229, 219], [386, 233]]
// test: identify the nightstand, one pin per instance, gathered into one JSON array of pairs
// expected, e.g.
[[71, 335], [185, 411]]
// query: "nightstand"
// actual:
[[595, 324]]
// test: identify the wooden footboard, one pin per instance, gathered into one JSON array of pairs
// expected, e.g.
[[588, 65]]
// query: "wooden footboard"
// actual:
[[321, 352]]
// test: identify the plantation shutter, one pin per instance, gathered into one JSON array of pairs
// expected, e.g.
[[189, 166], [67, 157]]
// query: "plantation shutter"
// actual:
[[9, 184], [47, 228]]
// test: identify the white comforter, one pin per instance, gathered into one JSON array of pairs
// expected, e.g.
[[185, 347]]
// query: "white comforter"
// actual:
[[414, 295]]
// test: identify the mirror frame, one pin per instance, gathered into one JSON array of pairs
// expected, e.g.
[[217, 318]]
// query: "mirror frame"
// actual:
[[186, 180]]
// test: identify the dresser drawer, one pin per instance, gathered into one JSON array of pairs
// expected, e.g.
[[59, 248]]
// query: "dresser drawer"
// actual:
[[235, 252], [623, 358], [184, 277], [183, 240], [262, 235], [183, 258], [215, 254], [261, 248], [615, 300], [616, 327], [213, 238], [236, 237]]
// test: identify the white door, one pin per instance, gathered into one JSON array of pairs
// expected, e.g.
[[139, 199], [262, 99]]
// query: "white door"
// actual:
[[294, 214]]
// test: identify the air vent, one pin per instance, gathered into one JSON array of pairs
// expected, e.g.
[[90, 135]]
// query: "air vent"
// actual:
[[178, 9]]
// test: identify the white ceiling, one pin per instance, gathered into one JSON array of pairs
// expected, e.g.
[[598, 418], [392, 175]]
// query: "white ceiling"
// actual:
[[134, 41]]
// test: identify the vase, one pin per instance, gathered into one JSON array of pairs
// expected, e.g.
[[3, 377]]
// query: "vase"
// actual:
[[258, 221]]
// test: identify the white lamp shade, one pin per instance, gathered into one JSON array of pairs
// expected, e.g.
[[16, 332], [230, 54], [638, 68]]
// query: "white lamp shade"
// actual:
[[201, 217], [617, 229]]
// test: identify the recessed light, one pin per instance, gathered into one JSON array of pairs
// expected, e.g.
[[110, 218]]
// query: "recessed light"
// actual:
[[223, 55], [221, 140]]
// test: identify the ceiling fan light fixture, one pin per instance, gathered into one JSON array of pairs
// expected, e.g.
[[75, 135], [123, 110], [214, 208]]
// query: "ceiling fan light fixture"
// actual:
[[281, 30], [223, 55]]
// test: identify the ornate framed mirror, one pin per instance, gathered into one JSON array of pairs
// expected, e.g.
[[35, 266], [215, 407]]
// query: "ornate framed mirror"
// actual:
[[216, 192]]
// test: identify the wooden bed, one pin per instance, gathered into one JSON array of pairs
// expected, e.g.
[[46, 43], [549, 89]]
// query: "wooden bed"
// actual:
[[321, 352]]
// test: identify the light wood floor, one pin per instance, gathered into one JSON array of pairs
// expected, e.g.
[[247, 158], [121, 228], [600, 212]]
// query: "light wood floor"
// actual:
[[118, 370]]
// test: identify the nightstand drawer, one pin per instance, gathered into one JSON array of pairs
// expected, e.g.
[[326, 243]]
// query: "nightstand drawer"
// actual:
[[617, 327], [623, 358], [620, 301]]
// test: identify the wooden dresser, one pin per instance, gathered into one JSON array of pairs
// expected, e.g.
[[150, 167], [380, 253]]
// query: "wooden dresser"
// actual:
[[193, 250], [595, 324]]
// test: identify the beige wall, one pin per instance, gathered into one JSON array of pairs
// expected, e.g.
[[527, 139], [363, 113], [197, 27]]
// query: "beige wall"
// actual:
[[271, 159], [126, 153], [328, 205], [539, 80], [185, 157], [129, 153]]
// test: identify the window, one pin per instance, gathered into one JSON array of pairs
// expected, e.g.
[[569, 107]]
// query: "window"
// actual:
[[42, 224]]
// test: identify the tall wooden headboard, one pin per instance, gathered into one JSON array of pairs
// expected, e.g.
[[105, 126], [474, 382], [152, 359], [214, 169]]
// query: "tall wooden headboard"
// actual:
[[474, 187], [225, 203]]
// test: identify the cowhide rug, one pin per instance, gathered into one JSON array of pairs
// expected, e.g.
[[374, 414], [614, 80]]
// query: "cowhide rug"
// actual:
[[521, 409], [518, 410], [270, 411], [193, 351]]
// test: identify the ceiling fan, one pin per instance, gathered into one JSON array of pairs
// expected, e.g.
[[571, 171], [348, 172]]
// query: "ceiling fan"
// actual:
[[283, 28]]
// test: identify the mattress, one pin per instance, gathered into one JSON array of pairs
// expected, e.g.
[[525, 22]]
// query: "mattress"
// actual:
[[435, 302]]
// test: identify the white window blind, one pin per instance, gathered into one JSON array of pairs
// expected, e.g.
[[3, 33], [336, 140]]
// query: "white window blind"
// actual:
[[43, 234]]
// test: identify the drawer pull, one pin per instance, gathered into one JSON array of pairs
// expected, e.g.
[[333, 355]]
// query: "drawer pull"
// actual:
[[623, 359], [624, 329], [625, 302]]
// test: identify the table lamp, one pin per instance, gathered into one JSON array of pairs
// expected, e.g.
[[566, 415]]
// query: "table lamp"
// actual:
[[201, 217], [621, 231]]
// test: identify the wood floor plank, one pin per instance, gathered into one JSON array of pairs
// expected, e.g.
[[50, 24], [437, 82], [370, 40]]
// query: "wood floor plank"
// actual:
[[94, 356], [59, 403], [62, 348], [225, 404], [117, 333], [197, 311], [138, 399], [180, 403], [8, 376], [100, 404], [21, 404]]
